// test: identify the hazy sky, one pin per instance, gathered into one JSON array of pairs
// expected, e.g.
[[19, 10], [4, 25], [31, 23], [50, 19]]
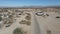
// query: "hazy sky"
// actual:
[[29, 2]]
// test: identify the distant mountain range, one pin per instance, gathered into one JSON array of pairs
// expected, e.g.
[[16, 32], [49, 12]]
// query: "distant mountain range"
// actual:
[[34, 7]]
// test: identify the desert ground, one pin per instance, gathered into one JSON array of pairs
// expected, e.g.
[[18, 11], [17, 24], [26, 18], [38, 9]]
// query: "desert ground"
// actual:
[[35, 25], [49, 23], [16, 24]]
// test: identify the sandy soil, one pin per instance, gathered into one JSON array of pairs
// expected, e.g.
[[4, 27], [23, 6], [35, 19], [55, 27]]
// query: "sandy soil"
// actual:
[[49, 23], [46, 23]]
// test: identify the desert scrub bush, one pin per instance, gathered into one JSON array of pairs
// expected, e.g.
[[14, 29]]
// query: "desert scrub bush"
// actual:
[[28, 14], [10, 22], [0, 18], [18, 31], [48, 32], [10, 16], [28, 22], [25, 22], [57, 16], [57, 12], [28, 17]]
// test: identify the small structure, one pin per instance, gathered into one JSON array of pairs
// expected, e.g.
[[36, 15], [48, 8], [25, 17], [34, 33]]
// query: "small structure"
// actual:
[[39, 13]]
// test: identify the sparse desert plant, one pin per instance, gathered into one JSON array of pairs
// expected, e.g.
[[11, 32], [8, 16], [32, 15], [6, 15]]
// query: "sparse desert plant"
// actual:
[[57, 12], [10, 22], [28, 17], [58, 17], [5, 22], [25, 22], [47, 14], [0, 18], [18, 31], [28, 14], [28, 22], [10, 16], [48, 32]]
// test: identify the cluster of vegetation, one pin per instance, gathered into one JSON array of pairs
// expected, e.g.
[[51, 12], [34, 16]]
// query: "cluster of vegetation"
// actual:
[[11, 16], [18, 31], [57, 16], [57, 12], [0, 18], [25, 22], [28, 14], [28, 17], [9, 20], [48, 32], [47, 14]]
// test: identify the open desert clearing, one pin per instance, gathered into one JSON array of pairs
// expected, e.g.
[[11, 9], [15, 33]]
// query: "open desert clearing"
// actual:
[[49, 23]]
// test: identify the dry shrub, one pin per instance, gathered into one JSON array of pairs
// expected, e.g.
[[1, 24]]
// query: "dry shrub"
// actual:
[[28, 17], [25, 22], [48, 32], [5, 22], [57, 16], [18, 31], [10, 22], [28, 14], [28, 22]]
